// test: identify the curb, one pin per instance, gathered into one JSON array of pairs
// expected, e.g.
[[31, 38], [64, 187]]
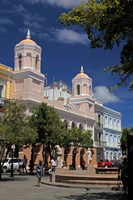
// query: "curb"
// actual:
[[87, 187]]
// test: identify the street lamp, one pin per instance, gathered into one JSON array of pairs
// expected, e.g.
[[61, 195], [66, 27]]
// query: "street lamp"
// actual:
[[12, 148]]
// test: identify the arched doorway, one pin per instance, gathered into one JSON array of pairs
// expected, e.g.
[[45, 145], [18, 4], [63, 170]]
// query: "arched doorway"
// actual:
[[73, 125], [74, 153], [82, 160]]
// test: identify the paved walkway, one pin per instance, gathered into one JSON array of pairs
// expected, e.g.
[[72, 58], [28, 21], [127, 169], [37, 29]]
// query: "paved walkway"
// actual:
[[23, 187]]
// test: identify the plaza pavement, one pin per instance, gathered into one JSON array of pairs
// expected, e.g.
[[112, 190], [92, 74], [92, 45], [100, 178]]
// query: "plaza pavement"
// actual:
[[24, 187]]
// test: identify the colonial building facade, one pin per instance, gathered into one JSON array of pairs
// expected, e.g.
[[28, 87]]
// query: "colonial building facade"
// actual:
[[6, 85], [79, 108]]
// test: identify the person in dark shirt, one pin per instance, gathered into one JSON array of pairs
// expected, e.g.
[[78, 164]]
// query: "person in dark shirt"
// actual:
[[24, 164], [39, 172], [123, 174]]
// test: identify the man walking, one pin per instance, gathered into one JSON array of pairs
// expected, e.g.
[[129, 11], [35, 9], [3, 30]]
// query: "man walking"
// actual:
[[24, 164]]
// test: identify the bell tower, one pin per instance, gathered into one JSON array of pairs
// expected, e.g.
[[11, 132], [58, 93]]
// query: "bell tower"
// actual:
[[82, 97], [28, 81], [82, 84]]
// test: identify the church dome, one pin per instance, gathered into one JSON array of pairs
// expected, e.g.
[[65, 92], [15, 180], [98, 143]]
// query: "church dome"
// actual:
[[82, 74], [27, 40]]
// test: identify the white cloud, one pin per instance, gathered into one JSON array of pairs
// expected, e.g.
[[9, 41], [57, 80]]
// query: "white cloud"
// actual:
[[6, 21], [32, 22], [70, 37], [3, 22], [103, 94], [60, 3]]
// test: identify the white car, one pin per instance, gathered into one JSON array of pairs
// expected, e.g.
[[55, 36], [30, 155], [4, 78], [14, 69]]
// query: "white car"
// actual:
[[6, 166]]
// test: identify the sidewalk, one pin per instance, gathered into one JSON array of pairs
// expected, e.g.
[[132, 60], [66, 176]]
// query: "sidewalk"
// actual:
[[24, 187]]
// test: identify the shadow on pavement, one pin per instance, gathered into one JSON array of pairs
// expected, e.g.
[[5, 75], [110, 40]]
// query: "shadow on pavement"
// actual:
[[97, 196], [16, 177]]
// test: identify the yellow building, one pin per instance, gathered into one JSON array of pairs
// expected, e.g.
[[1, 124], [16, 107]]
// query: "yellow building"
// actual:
[[6, 74]]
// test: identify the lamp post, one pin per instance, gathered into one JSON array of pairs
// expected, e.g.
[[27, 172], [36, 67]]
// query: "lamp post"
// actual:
[[12, 148]]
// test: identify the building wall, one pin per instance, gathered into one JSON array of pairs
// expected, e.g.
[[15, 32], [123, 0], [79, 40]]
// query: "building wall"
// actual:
[[80, 108], [112, 133], [6, 74]]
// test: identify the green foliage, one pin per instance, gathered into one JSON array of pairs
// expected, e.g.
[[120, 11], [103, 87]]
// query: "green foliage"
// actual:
[[125, 133], [48, 124], [77, 137], [15, 128], [107, 23]]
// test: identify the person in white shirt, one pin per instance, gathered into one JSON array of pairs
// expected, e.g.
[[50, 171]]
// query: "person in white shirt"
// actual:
[[53, 164]]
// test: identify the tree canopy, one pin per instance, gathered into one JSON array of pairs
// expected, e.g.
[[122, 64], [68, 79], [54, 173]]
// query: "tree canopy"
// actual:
[[108, 23], [125, 133], [15, 127], [48, 124], [77, 137]]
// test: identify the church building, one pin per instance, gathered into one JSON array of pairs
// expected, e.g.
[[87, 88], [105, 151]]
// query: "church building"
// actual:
[[78, 109]]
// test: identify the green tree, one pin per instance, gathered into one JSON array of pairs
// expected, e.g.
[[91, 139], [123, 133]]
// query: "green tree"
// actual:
[[15, 127], [49, 127], [125, 133], [76, 137], [107, 23]]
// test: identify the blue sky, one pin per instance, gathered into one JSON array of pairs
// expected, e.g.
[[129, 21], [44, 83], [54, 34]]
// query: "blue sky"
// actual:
[[64, 49]]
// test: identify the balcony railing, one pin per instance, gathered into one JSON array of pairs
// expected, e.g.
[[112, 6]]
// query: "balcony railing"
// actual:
[[100, 144], [106, 144]]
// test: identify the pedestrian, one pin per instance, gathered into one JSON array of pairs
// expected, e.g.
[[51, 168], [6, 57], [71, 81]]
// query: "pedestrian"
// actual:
[[53, 164], [24, 164], [39, 172], [123, 174]]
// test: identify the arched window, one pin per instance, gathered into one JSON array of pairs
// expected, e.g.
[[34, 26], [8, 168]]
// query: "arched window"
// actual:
[[90, 90], [80, 127], [78, 89], [73, 125], [37, 62], [20, 61], [85, 89], [29, 64]]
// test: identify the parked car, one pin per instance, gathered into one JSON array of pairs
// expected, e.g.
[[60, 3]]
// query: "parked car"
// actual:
[[6, 164], [104, 163]]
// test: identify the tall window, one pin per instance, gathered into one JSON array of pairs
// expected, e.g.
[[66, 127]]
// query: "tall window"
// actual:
[[106, 138], [20, 61], [90, 90], [99, 120], [73, 125], [29, 60], [1, 91], [37, 62], [78, 89], [80, 127]]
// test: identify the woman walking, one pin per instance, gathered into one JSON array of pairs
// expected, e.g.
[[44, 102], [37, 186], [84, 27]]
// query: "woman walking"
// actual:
[[39, 172]]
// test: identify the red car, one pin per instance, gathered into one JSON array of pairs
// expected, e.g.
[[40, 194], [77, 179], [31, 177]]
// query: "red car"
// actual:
[[104, 163]]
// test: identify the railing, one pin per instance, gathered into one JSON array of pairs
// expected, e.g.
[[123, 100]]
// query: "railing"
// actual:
[[106, 144], [100, 144], [113, 144]]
